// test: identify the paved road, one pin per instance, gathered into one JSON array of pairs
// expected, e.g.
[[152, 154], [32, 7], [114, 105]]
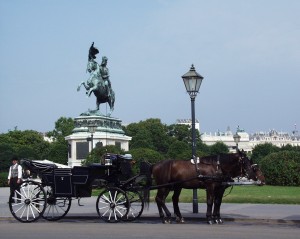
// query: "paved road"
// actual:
[[86, 229], [245, 221], [263, 213]]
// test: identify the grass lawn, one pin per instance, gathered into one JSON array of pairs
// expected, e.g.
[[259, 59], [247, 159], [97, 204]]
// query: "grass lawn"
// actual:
[[248, 194], [243, 194]]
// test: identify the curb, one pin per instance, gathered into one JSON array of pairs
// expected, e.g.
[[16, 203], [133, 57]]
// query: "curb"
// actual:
[[145, 219]]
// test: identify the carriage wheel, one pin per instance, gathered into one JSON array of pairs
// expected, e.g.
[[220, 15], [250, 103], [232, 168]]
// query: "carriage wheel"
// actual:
[[57, 207], [28, 202], [136, 205], [112, 205]]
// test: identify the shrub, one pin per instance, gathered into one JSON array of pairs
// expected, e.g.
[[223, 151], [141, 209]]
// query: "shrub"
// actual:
[[282, 168], [3, 179]]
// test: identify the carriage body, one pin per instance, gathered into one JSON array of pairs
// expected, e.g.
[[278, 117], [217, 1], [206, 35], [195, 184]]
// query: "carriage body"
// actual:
[[69, 182], [51, 197]]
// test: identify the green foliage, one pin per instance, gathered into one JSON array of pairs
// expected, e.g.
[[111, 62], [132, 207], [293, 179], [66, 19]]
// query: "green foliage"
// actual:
[[244, 194], [218, 148], [282, 168], [63, 128], [97, 154], [58, 152], [179, 150], [3, 179], [150, 133], [31, 144], [173, 141], [146, 154], [180, 132], [262, 150], [24, 144]]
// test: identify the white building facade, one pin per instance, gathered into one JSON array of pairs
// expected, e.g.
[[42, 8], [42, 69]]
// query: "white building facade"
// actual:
[[227, 138], [247, 141]]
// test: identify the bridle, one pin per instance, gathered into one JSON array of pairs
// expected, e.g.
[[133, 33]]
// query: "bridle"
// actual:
[[243, 165]]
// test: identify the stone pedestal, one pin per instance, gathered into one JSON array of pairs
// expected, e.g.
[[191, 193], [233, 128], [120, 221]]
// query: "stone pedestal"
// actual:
[[108, 132]]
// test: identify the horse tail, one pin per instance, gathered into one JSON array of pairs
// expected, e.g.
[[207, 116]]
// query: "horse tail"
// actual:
[[146, 170]]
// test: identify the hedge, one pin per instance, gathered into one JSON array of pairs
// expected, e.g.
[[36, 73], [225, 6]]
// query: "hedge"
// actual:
[[282, 168]]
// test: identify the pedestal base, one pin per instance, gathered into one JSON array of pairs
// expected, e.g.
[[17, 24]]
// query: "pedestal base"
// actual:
[[108, 132]]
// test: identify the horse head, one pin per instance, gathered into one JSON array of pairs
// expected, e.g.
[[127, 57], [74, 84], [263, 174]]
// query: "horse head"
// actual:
[[91, 66], [249, 169]]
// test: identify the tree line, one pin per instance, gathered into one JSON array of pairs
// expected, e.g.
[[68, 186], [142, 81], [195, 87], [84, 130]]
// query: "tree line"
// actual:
[[153, 141]]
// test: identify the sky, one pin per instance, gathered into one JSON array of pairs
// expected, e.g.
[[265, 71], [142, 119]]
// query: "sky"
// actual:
[[247, 51]]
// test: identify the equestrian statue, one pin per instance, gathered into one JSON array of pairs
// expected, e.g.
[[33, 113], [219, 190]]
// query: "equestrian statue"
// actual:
[[98, 82]]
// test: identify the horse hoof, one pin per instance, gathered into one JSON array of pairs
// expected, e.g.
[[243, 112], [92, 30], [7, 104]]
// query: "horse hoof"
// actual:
[[218, 221], [180, 220], [166, 221], [210, 222]]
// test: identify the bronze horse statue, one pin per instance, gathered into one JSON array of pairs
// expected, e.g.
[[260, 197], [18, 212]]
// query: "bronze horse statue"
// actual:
[[98, 82], [210, 173]]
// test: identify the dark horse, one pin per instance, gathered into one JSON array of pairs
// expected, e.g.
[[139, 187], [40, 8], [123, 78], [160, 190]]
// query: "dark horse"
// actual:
[[210, 174]]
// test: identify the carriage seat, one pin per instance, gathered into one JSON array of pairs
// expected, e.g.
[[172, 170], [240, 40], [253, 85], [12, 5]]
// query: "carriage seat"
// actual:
[[38, 167]]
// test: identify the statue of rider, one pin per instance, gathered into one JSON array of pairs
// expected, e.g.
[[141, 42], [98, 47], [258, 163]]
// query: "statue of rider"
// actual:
[[104, 72]]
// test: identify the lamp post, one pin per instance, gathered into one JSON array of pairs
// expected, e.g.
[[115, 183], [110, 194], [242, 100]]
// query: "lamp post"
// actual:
[[237, 139], [192, 81], [92, 130]]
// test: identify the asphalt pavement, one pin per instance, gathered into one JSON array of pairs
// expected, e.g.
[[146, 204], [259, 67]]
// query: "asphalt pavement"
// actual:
[[266, 213]]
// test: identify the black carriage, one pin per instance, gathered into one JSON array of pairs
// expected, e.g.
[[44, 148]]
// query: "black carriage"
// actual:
[[51, 197]]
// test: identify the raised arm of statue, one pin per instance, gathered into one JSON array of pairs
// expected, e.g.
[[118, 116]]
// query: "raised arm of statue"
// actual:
[[93, 52]]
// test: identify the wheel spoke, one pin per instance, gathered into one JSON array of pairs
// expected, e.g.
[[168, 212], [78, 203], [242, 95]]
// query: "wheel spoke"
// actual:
[[111, 203], [29, 203]]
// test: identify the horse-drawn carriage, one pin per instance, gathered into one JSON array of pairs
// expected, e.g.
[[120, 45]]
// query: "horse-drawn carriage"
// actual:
[[51, 198], [122, 197]]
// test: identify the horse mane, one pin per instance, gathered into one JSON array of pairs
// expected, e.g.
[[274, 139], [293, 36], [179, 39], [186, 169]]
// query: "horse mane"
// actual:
[[213, 159]]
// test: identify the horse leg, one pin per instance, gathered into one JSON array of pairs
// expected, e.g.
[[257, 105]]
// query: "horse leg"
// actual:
[[219, 192], [175, 199], [79, 86], [94, 88], [209, 202], [160, 201]]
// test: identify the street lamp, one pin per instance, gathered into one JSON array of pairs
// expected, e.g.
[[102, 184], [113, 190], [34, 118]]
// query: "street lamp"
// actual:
[[192, 81], [237, 139], [92, 130]]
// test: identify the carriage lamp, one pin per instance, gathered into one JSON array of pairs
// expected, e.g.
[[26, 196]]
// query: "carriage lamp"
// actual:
[[192, 81], [92, 130], [237, 139]]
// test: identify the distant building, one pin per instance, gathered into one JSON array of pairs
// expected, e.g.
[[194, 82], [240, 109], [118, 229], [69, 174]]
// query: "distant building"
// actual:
[[227, 138], [46, 138], [189, 122], [278, 139], [249, 141]]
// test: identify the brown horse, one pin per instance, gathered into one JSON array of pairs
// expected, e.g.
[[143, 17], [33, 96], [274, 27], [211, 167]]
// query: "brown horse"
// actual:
[[210, 174]]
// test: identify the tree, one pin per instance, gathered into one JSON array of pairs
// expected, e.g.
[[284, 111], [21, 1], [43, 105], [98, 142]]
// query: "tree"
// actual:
[[59, 148], [63, 127], [262, 150], [282, 168], [146, 154], [179, 150], [97, 154], [218, 148], [24, 144], [180, 132], [150, 133]]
